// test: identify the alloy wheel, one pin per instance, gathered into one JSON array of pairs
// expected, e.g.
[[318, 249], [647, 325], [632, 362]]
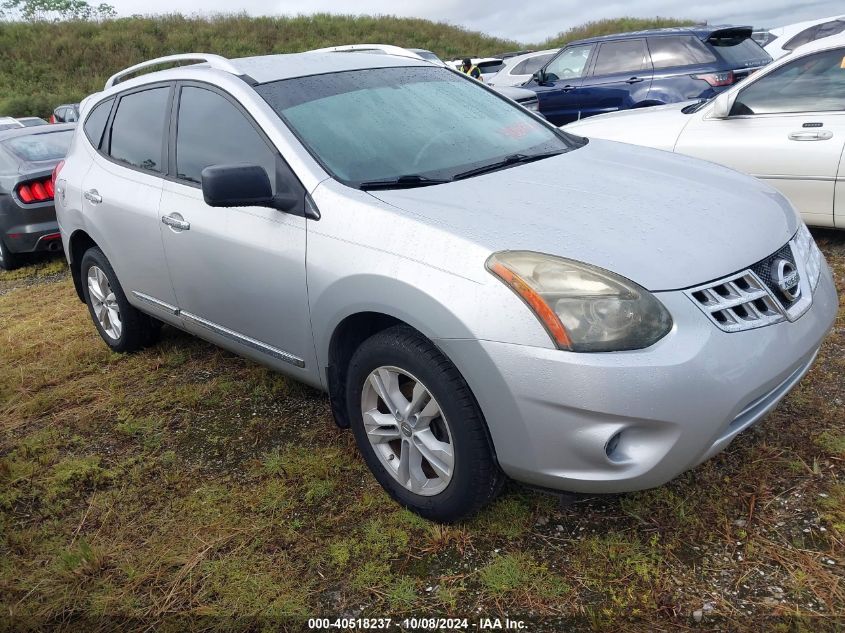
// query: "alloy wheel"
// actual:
[[104, 302], [407, 430]]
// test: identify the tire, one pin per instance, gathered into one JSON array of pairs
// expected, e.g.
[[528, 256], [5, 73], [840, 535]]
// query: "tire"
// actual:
[[8, 260], [448, 420], [123, 327]]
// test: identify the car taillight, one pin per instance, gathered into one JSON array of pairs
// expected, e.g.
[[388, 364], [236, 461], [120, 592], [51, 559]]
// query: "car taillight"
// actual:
[[36, 191], [55, 176], [717, 80], [52, 118]]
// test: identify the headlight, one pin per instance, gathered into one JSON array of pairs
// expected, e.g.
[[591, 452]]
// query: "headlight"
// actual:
[[584, 308], [807, 252]]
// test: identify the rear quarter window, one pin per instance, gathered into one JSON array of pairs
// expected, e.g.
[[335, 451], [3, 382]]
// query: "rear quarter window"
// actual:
[[687, 50], [95, 124]]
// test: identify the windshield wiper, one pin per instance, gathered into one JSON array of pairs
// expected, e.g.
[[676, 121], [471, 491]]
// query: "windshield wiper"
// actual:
[[694, 107], [402, 182], [507, 161]]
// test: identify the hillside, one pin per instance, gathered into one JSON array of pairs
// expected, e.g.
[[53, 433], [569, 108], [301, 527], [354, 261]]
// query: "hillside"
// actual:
[[49, 63], [608, 27]]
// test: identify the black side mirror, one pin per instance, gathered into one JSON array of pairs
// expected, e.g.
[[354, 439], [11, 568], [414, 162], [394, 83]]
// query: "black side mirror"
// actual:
[[236, 186]]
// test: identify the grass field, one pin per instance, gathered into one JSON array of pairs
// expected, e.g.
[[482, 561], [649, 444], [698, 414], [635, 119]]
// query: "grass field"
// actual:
[[46, 63], [184, 481]]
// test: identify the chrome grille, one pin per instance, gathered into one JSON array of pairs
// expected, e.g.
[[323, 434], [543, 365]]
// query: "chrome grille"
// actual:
[[738, 302]]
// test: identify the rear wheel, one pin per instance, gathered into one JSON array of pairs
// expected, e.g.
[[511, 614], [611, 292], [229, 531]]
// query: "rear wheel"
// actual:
[[419, 428], [8, 260], [121, 326]]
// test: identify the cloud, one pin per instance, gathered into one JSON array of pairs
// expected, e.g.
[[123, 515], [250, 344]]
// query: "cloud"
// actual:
[[529, 22]]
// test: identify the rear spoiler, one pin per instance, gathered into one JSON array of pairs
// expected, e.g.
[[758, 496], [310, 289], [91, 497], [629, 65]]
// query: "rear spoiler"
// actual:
[[729, 36]]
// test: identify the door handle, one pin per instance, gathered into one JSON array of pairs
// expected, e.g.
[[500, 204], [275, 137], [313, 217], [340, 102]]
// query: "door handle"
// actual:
[[93, 196], [634, 80], [567, 88], [176, 223], [819, 135]]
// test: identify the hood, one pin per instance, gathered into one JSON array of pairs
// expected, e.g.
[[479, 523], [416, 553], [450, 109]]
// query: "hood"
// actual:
[[658, 126], [662, 220]]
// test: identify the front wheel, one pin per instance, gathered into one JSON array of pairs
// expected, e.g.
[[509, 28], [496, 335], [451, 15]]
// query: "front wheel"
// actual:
[[419, 428]]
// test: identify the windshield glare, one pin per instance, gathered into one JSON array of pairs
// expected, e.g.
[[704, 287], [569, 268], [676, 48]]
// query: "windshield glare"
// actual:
[[382, 123]]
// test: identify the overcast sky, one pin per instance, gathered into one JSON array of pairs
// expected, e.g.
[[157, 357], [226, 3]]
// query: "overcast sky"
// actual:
[[527, 22]]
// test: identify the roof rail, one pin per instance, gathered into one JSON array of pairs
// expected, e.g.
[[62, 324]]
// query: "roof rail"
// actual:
[[215, 61]]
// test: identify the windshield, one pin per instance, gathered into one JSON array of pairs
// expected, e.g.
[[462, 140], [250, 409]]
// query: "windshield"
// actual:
[[384, 123], [38, 147]]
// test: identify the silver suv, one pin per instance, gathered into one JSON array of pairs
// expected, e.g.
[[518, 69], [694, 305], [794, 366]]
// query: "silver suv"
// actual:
[[480, 293]]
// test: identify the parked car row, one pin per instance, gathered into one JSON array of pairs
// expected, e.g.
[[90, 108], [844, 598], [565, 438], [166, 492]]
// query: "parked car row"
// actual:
[[785, 125]]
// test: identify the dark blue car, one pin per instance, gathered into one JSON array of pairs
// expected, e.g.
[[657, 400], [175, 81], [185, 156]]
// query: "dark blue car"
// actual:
[[644, 68]]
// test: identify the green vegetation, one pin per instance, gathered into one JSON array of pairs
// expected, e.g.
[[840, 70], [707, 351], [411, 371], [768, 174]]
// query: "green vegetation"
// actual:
[[183, 480], [47, 63], [609, 27]]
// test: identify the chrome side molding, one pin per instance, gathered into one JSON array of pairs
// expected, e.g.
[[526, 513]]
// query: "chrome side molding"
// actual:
[[237, 337]]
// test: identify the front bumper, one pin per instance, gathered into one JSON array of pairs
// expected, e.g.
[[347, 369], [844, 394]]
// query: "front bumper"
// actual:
[[554, 416]]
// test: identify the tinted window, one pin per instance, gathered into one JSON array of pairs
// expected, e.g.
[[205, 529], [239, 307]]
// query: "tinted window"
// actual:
[[678, 51], [531, 65], [71, 115], [234, 139], [570, 64], [38, 147], [490, 67], [739, 53], [815, 32], [624, 56], [137, 131], [815, 83], [95, 124], [383, 123]]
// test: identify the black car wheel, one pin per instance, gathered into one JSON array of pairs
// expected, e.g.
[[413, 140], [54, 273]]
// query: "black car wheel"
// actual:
[[419, 428], [8, 260]]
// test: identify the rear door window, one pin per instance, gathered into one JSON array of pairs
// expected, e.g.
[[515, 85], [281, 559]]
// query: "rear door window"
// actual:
[[815, 83], [686, 50], [234, 140], [622, 56], [137, 132]]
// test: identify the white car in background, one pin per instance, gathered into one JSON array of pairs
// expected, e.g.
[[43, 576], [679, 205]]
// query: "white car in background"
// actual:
[[9, 123], [785, 124], [521, 68], [488, 66], [785, 39]]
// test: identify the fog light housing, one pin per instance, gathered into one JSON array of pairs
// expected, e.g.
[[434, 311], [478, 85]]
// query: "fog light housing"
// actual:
[[612, 445]]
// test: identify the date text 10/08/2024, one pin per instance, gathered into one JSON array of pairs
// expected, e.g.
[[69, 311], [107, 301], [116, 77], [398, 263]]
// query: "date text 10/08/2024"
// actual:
[[422, 624]]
